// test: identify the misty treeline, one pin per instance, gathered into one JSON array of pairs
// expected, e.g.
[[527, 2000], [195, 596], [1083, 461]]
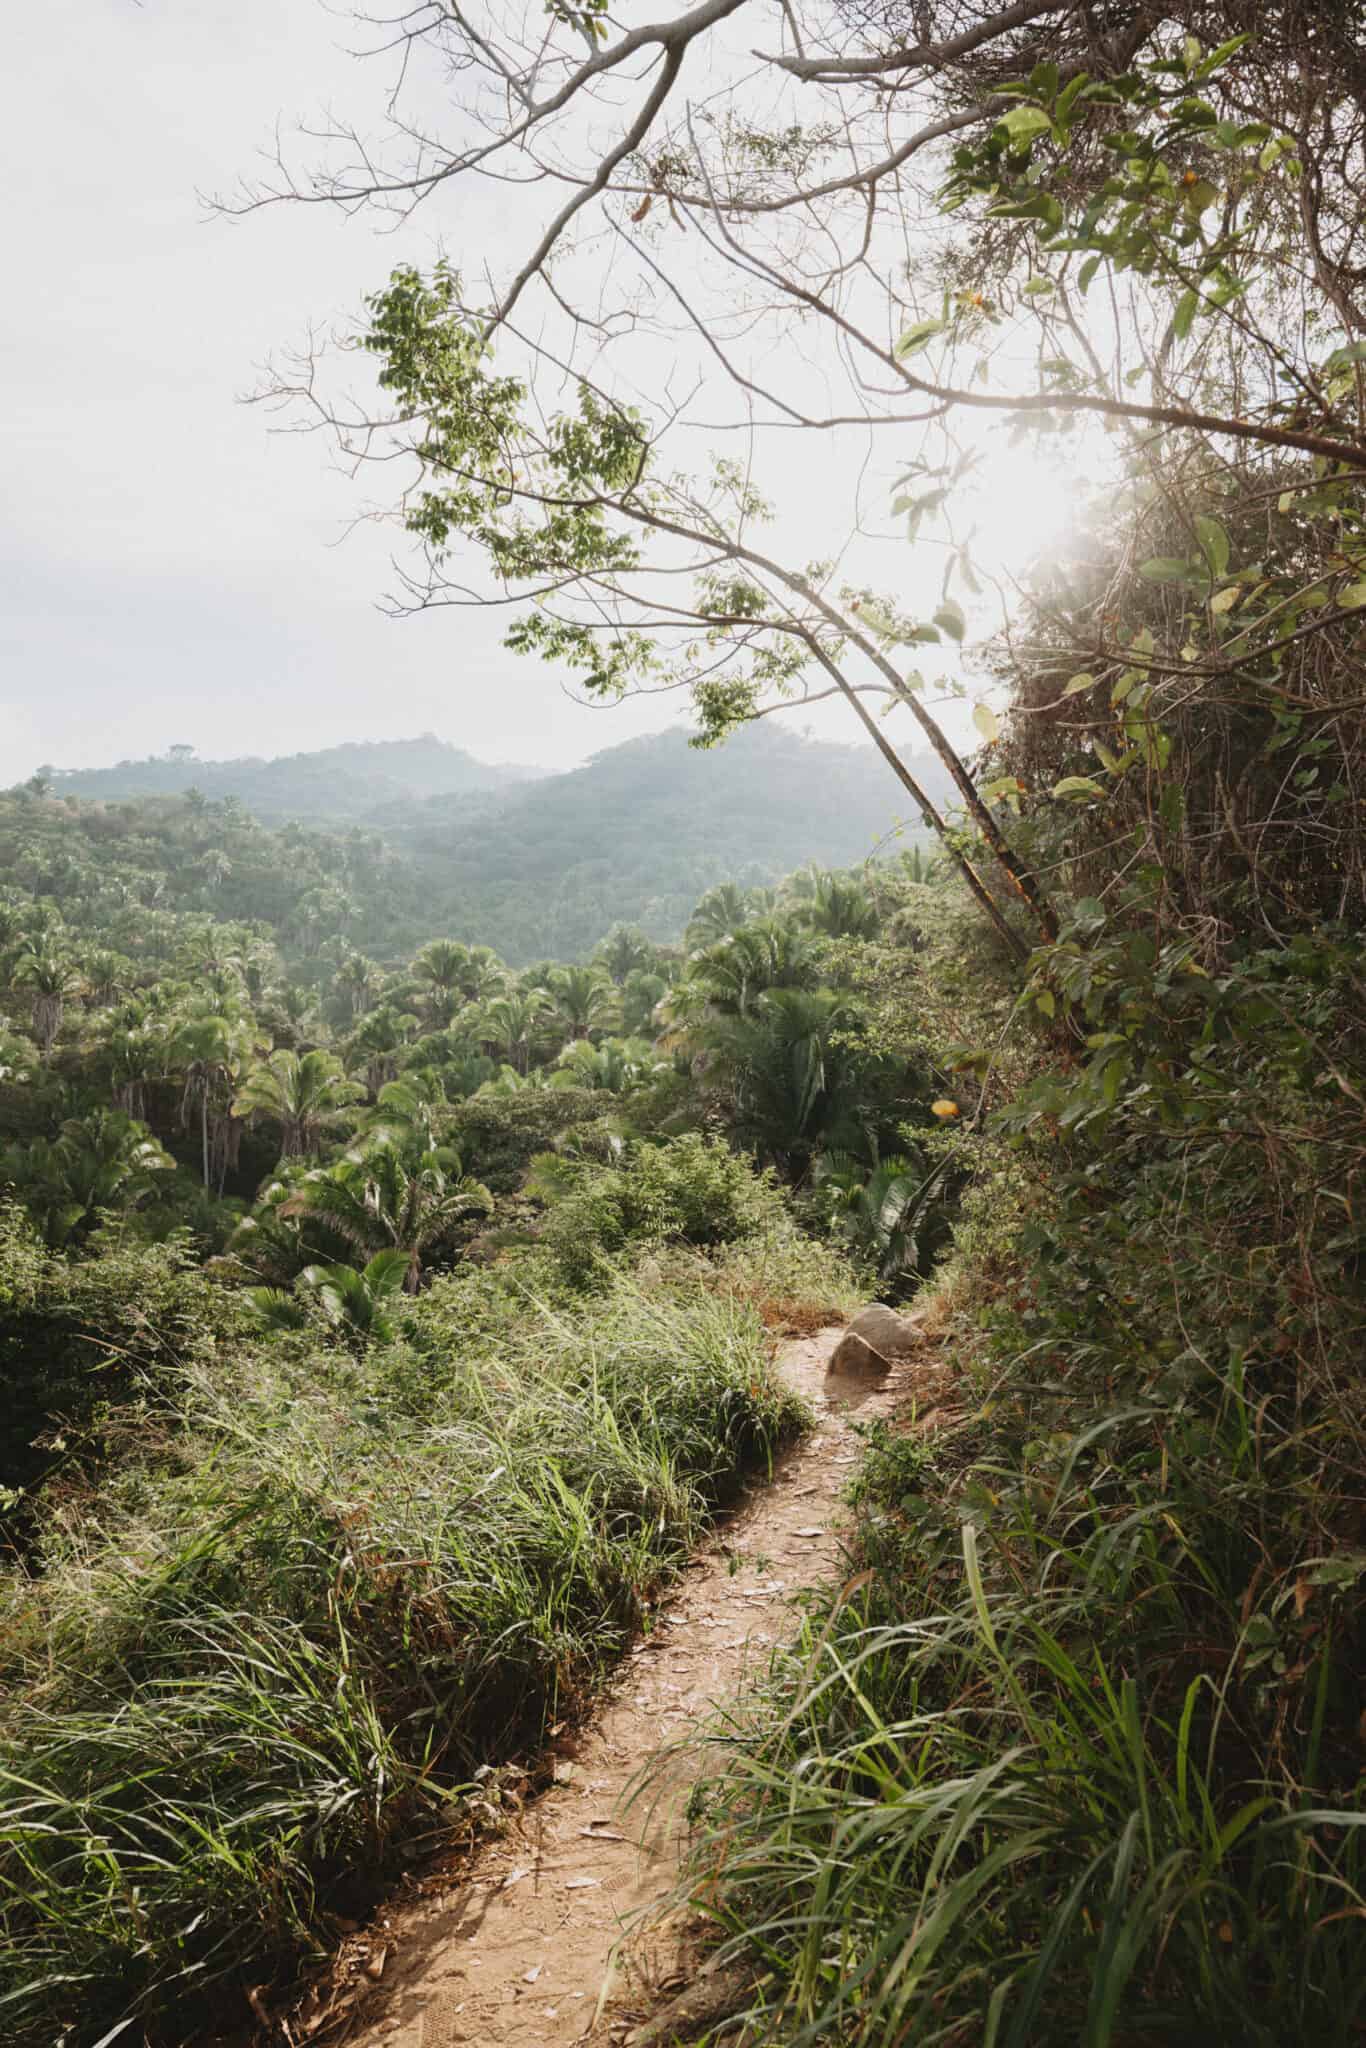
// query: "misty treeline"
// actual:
[[378, 847], [1074, 1754]]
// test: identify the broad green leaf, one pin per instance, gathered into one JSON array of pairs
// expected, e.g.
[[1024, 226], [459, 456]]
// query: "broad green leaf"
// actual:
[[1085, 681], [1077, 786], [1069, 94], [1187, 307], [1214, 540], [1004, 785], [950, 617], [1354, 596], [1043, 81], [1037, 286], [1022, 122], [917, 337], [1217, 58], [986, 721], [1163, 569]]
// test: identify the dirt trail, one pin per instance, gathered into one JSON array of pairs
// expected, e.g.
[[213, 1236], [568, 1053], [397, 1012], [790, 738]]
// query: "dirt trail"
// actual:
[[515, 1954]]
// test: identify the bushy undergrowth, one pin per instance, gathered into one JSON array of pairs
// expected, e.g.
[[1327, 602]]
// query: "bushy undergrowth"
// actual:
[[291, 1630], [1077, 1758], [79, 1337], [689, 1190]]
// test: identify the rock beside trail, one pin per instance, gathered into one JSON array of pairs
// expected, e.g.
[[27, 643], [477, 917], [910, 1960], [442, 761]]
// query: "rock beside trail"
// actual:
[[876, 1337]]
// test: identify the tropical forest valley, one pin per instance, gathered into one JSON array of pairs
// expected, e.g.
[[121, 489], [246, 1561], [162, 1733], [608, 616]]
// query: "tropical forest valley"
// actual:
[[705, 1389]]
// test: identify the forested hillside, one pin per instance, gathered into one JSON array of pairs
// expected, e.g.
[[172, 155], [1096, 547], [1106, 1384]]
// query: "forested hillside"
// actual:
[[335, 785], [545, 868], [643, 829]]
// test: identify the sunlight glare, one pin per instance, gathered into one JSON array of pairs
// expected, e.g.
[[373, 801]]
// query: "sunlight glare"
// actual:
[[1022, 502]]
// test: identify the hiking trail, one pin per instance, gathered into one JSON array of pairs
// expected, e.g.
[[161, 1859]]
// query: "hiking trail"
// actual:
[[528, 1942]]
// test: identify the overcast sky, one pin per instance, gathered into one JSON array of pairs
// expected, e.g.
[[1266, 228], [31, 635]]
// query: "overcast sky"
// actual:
[[170, 570]]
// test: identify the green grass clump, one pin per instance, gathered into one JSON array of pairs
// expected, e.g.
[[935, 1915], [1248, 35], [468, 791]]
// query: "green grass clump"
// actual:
[[257, 1661]]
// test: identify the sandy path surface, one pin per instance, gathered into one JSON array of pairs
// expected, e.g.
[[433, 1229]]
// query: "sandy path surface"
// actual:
[[530, 1947]]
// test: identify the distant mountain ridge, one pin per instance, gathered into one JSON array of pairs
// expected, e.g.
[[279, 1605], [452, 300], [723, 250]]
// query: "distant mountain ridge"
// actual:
[[542, 867], [639, 832], [334, 785]]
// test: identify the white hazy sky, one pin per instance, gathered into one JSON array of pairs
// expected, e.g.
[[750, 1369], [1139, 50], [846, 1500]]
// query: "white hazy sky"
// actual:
[[169, 569]]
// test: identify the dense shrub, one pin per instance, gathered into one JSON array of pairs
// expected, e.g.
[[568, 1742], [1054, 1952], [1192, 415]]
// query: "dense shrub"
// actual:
[[689, 1190], [78, 1336], [498, 1135]]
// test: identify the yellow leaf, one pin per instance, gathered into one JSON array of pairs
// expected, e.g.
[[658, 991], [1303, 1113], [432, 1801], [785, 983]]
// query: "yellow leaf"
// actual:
[[1225, 599], [986, 721], [943, 1107]]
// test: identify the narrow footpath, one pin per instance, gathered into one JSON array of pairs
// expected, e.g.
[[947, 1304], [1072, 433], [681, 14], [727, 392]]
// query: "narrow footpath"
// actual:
[[531, 1945]]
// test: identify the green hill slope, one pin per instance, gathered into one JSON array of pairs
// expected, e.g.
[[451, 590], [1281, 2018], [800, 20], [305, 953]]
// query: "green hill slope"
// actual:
[[532, 868], [640, 831], [336, 785]]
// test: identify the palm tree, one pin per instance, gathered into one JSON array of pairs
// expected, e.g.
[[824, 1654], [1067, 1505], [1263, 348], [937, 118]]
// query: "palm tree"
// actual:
[[16, 1054], [840, 907], [411, 1109], [358, 979], [484, 974], [514, 1023], [102, 1161], [771, 953], [584, 997], [721, 911], [625, 950], [898, 1215], [378, 1198], [615, 1066], [305, 1094], [106, 973], [211, 1047], [53, 977], [358, 1302], [789, 1074], [138, 1047], [355, 1303], [641, 995], [440, 967], [376, 1043]]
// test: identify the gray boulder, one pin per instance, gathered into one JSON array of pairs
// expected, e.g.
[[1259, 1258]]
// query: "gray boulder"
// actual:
[[876, 1337]]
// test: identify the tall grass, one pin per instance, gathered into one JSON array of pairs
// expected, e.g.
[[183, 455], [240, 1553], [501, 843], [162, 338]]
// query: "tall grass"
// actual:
[[262, 1657], [983, 1818], [1076, 1757]]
